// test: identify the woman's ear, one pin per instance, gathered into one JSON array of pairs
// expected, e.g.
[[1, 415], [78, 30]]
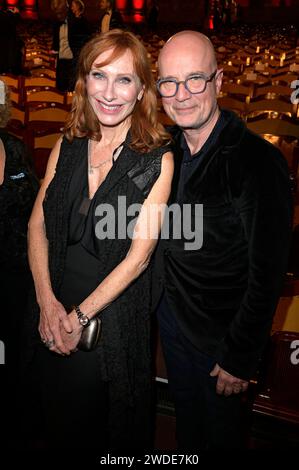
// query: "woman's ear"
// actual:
[[140, 94]]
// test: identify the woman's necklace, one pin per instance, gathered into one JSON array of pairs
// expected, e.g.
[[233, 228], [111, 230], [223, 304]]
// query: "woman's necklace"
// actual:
[[95, 167]]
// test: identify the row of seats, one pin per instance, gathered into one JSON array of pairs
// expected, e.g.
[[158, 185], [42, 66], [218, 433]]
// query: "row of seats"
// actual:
[[35, 88]]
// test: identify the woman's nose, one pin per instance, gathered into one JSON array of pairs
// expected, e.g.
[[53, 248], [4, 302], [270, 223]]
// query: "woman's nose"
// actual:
[[109, 91]]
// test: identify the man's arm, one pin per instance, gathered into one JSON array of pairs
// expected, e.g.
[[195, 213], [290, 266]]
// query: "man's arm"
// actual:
[[265, 206]]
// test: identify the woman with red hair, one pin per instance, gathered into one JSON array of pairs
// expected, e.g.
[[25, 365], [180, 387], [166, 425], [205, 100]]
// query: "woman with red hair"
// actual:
[[90, 256]]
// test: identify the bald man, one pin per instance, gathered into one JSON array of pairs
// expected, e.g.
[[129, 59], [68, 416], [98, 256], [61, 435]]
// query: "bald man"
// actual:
[[219, 297]]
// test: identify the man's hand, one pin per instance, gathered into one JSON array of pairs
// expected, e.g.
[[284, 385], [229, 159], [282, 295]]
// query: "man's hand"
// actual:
[[227, 383]]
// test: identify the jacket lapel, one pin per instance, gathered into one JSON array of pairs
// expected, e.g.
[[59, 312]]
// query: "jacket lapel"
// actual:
[[178, 155]]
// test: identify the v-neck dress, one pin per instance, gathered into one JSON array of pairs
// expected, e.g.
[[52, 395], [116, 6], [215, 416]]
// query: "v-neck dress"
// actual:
[[81, 266], [79, 390]]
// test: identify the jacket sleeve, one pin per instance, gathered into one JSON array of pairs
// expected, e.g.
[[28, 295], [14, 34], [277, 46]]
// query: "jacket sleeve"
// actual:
[[265, 208]]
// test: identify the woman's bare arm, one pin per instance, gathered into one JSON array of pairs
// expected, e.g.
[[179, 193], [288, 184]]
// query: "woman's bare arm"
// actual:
[[145, 238], [51, 311]]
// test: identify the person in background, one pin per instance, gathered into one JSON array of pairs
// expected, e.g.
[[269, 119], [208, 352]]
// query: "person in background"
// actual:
[[77, 7], [12, 46], [70, 32], [113, 153], [218, 293], [152, 16], [80, 32], [112, 18], [61, 47], [18, 189]]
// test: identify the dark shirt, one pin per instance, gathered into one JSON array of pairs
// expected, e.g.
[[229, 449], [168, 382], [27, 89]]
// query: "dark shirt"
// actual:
[[190, 162]]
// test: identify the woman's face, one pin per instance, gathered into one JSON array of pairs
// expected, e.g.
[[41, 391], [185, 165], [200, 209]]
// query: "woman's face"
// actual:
[[75, 7], [113, 89], [104, 4]]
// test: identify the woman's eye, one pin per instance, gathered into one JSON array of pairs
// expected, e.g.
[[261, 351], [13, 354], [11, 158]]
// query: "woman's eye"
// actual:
[[97, 75], [125, 80]]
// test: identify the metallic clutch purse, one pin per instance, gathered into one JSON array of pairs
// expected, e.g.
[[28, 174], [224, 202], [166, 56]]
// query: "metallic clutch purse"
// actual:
[[91, 335]]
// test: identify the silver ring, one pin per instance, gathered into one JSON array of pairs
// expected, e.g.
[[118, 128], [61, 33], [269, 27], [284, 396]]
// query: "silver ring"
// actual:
[[49, 343], [43, 340]]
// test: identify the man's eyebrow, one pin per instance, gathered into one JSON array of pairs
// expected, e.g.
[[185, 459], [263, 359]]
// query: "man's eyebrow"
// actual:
[[167, 77], [199, 72], [204, 74]]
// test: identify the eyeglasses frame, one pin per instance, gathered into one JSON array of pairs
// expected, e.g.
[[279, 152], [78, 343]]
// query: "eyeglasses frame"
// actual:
[[206, 79]]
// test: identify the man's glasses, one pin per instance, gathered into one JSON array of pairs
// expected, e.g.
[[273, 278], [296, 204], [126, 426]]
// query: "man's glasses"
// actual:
[[168, 87]]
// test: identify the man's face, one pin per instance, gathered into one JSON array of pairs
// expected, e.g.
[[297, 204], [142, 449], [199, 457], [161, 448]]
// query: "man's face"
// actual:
[[61, 13], [181, 61]]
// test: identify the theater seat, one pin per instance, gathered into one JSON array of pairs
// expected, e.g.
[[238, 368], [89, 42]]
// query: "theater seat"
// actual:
[[274, 417], [275, 409], [278, 389]]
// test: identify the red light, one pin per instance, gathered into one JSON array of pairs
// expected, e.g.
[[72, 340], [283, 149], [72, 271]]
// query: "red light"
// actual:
[[12, 3], [121, 4], [29, 4], [138, 4], [137, 18]]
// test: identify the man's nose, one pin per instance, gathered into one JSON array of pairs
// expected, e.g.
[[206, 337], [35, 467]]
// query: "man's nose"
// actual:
[[182, 93]]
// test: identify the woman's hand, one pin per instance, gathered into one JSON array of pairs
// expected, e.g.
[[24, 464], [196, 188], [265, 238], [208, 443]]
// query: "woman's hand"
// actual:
[[54, 321], [72, 338]]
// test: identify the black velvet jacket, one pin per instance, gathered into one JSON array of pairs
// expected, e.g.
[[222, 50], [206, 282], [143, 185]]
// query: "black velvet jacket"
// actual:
[[224, 294]]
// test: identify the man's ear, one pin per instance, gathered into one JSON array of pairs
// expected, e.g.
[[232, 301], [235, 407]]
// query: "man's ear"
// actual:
[[218, 80]]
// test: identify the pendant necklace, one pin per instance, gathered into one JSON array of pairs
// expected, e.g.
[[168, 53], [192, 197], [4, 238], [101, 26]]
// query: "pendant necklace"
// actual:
[[95, 167]]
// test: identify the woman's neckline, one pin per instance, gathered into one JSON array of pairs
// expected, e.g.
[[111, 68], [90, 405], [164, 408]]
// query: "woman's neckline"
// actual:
[[89, 170]]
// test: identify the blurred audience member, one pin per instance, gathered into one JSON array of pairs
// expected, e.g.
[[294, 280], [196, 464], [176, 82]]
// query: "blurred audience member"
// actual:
[[152, 16], [11, 44], [18, 188], [79, 32], [70, 33], [112, 18]]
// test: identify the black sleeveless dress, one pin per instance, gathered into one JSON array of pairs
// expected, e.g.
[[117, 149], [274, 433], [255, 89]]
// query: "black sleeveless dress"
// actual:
[[81, 267], [105, 392]]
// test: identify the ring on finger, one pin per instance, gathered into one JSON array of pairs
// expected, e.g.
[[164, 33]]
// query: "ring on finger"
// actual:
[[50, 343]]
